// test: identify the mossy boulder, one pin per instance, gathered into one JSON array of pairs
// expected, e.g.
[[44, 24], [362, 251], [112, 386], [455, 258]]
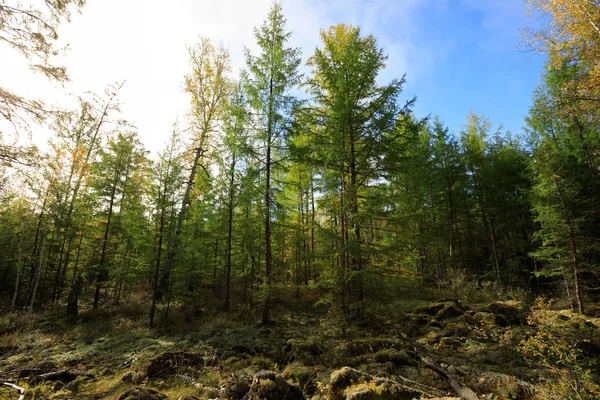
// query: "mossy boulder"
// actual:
[[237, 386], [242, 350], [140, 393], [415, 324], [262, 362], [486, 356], [448, 312], [167, 363], [433, 336], [307, 349], [268, 385], [484, 318], [45, 366], [504, 386], [396, 357], [303, 376], [430, 309], [506, 314], [348, 383], [449, 342], [384, 370]]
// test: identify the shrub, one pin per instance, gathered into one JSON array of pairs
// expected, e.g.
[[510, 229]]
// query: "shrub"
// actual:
[[556, 349]]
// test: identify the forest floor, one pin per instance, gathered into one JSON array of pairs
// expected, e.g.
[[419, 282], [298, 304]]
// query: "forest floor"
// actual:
[[422, 348]]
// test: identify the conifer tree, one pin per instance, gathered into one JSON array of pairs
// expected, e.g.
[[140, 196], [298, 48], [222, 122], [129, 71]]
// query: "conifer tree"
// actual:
[[271, 75]]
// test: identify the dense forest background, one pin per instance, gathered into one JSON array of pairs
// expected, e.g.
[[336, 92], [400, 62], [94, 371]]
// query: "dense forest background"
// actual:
[[277, 184]]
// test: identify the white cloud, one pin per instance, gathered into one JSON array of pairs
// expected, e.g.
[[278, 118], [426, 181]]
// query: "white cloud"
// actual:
[[144, 43]]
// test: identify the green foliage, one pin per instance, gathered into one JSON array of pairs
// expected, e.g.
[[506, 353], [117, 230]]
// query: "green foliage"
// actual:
[[552, 346]]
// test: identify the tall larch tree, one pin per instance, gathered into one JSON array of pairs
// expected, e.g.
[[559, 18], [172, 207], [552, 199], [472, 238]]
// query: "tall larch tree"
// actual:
[[352, 114], [207, 85], [271, 75]]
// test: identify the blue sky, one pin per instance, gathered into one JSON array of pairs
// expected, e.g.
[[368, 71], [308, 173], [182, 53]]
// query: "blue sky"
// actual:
[[458, 55]]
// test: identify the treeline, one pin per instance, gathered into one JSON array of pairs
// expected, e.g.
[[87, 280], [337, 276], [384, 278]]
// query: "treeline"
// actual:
[[345, 191]]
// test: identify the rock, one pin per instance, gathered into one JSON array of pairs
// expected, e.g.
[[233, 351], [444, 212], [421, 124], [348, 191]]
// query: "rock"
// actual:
[[239, 349], [371, 345], [237, 387], [580, 324], [589, 347], [262, 362], [348, 383], [58, 386], [166, 363], [127, 377], [450, 343], [268, 385], [188, 397], [430, 309], [45, 366], [432, 337], [383, 370], [593, 310], [504, 386], [506, 314], [484, 318], [308, 349], [494, 357], [413, 324], [62, 376], [396, 357], [448, 312], [302, 376], [435, 324], [73, 386], [139, 378], [139, 393], [207, 392], [444, 398]]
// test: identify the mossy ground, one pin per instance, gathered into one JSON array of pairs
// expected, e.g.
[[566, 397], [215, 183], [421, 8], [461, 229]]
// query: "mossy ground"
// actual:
[[303, 344]]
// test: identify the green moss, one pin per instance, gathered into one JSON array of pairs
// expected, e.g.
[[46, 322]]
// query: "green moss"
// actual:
[[262, 362]]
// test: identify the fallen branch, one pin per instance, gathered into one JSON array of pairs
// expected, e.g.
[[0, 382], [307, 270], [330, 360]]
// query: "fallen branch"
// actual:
[[63, 376], [465, 392], [429, 390], [17, 388]]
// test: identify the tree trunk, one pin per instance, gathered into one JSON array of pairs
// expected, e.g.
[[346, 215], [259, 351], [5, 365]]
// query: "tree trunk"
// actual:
[[181, 216], [37, 275], [229, 233], [268, 256], [17, 280], [572, 247], [102, 268]]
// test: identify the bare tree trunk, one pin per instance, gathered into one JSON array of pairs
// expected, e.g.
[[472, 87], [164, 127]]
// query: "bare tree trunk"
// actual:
[[76, 267], [102, 269], [268, 256], [312, 228], [161, 202], [83, 170], [37, 275], [181, 216], [19, 261], [229, 233], [572, 247]]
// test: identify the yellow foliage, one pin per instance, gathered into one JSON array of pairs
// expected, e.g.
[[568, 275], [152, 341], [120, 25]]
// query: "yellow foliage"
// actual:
[[573, 36]]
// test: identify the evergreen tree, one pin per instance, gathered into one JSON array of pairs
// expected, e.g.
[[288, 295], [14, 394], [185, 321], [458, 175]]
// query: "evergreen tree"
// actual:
[[271, 75]]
